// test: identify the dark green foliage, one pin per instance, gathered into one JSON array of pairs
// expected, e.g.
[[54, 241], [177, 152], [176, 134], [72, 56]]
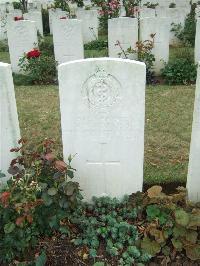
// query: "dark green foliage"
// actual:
[[96, 45], [35, 201], [45, 21], [17, 5], [61, 4], [21, 80], [186, 33], [40, 70], [46, 46], [107, 220], [4, 46], [180, 72]]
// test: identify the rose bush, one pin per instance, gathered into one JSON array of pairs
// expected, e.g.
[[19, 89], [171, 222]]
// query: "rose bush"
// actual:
[[38, 67]]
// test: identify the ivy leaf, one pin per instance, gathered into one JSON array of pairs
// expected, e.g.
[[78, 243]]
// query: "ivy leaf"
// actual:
[[93, 252], [9, 227], [52, 191], [182, 217], [177, 244], [191, 236], [179, 231], [153, 211], [193, 252], [194, 219], [41, 260], [150, 247]]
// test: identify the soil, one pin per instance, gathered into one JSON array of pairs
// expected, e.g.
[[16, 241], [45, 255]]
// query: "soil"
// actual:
[[60, 252], [167, 188]]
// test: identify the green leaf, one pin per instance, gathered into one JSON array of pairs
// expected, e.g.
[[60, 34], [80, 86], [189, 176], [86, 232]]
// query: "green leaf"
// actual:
[[70, 173], [43, 185], [64, 230], [2, 174], [193, 252], [153, 211], [191, 236], [69, 188], [41, 260], [9, 227], [179, 231], [52, 191], [182, 217], [166, 250], [177, 244], [194, 219], [93, 253], [47, 199], [151, 247], [99, 264]]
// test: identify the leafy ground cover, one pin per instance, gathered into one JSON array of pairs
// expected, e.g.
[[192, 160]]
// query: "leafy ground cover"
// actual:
[[42, 213], [167, 133]]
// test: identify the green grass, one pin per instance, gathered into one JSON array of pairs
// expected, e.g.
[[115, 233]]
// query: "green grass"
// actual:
[[4, 57], [168, 121], [167, 132]]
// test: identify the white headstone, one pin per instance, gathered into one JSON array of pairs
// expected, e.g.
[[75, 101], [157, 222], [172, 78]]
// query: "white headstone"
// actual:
[[160, 27], [123, 30], [9, 125], [102, 118], [89, 25], [67, 39], [147, 12], [56, 14], [197, 12], [22, 37], [37, 17], [193, 180], [197, 42]]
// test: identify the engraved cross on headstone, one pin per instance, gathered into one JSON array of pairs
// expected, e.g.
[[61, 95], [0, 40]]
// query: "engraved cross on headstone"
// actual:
[[103, 162]]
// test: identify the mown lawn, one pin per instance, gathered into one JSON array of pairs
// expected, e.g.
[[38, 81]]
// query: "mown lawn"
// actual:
[[167, 132], [168, 122]]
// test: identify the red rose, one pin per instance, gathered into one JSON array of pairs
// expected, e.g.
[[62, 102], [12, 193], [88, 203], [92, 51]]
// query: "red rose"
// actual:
[[4, 198], [33, 53], [63, 18], [18, 18]]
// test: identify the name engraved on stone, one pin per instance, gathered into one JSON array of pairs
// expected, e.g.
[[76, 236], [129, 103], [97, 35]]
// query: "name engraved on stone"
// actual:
[[93, 127]]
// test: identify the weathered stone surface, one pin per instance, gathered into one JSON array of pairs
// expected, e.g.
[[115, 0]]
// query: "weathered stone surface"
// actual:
[[68, 41], [22, 37], [9, 125], [123, 30], [160, 27], [193, 180], [89, 24], [37, 17]]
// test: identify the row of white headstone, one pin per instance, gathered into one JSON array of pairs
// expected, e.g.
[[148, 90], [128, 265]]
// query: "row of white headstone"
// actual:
[[102, 120], [68, 38]]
